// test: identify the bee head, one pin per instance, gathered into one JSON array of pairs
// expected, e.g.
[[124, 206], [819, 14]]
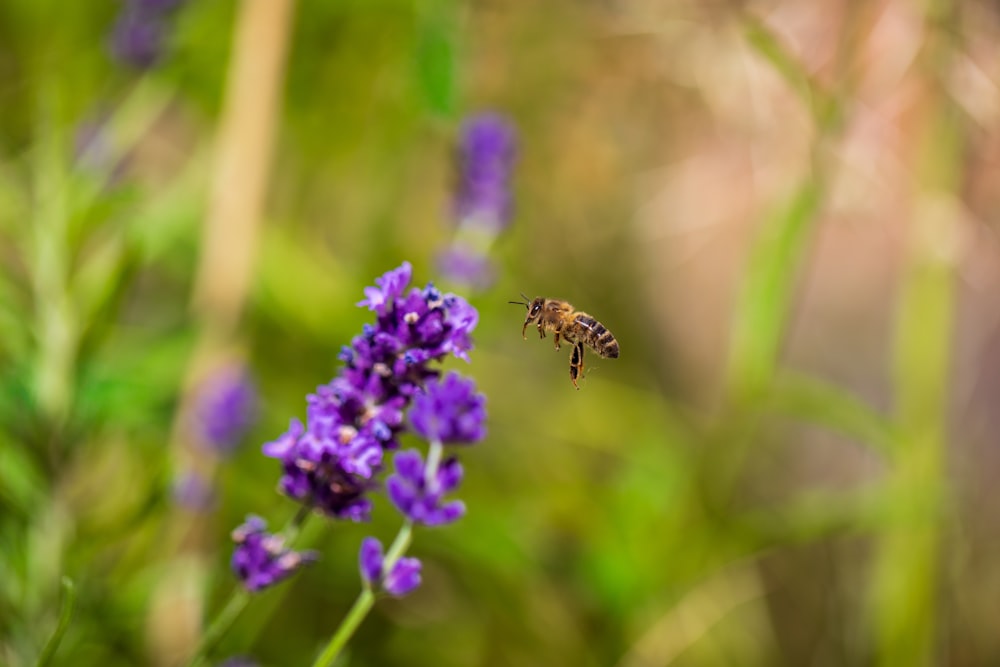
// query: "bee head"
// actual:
[[534, 307]]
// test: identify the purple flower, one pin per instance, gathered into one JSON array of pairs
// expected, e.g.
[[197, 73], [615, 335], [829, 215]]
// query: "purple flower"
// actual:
[[318, 470], [331, 462], [194, 492], [403, 576], [239, 661], [486, 157], [225, 406], [419, 494], [449, 411], [156, 6], [466, 266], [390, 287], [137, 39], [140, 33], [260, 558]]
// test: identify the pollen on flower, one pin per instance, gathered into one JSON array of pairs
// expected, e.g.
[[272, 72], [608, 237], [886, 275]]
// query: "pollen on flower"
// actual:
[[449, 411], [260, 559], [402, 578], [330, 462], [419, 494]]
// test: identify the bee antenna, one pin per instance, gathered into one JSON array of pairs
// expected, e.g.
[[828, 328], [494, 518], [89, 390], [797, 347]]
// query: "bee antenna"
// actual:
[[525, 303]]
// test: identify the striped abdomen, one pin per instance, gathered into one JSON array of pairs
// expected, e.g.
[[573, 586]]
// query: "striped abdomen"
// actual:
[[597, 336]]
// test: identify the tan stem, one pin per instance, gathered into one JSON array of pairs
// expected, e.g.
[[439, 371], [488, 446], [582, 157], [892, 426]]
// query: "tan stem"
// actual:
[[242, 161], [233, 218]]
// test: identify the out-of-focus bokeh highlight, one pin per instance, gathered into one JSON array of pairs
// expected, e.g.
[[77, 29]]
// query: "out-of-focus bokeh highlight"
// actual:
[[786, 212]]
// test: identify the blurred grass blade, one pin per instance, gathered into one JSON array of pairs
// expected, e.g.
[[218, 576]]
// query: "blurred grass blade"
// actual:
[[762, 311], [695, 615], [817, 402], [908, 567], [65, 614], [22, 482], [55, 320], [435, 59], [821, 105]]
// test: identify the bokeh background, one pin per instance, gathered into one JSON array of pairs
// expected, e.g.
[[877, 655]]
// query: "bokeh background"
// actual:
[[786, 212]]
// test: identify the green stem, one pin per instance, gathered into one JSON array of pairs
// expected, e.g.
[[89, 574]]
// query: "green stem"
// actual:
[[69, 598], [56, 326], [347, 627], [433, 460], [365, 600], [241, 598], [398, 546], [220, 626]]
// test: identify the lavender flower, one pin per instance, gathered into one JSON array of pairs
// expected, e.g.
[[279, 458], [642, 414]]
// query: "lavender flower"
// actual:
[[225, 406], [140, 34], [137, 41], [449, 411], [418, 493], [403, 576], [239, 661], [260, 558], [483, 200], [467, 266], [194, 492], [486, 157], [330, 462]]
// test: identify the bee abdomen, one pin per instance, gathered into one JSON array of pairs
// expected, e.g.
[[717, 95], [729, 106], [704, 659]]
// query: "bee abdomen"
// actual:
[[598, 337], [608, 346]]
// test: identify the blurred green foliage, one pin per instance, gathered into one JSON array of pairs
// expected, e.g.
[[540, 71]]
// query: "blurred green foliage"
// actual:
[[631, 523]]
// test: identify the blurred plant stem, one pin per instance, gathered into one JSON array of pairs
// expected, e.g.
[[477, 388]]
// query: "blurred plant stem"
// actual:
[[233, 217], [57, 328], [240, 598], [67, 290], [65, 614], [761, 317], [905, 585], [366, 599]]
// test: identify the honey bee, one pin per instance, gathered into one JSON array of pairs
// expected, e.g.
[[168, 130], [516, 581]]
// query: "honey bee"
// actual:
[[571, 325]]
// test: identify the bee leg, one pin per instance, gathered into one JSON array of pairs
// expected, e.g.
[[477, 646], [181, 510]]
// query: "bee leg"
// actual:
[[541, 330], [576, 363], [557, 339], [524, 329]]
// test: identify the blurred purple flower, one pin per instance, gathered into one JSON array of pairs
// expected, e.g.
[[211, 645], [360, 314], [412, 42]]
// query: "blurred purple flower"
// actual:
[[419, 494], [156, 6], [194, 492], [239, 661], [466, 266], [483, 202], [403, 577], [330, 462], [139, 36], [225, 408], [260, 558], [486, 154], [137, 39], [449, 411]]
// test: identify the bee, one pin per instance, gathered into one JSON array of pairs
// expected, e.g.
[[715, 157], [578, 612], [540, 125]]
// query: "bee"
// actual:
[[570, 325]]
